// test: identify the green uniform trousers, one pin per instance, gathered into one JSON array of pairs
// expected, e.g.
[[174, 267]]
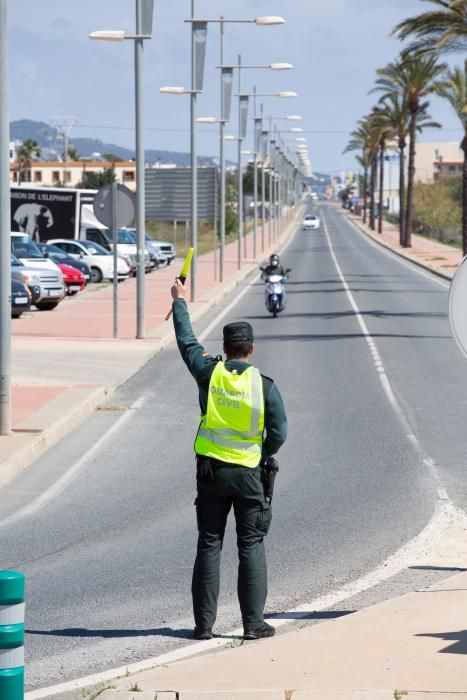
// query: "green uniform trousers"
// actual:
[[241, 488]]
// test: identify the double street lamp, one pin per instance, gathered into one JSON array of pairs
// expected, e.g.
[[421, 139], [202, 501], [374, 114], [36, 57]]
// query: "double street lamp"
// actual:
[[144, 15], [198, 44]]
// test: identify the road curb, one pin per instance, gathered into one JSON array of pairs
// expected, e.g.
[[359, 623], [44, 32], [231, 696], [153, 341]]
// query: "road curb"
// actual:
[[405, 256], [286, 694], [23, 455], [38, 444]]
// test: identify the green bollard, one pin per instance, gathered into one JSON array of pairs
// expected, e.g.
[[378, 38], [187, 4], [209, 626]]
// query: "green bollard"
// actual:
[[11, 635]]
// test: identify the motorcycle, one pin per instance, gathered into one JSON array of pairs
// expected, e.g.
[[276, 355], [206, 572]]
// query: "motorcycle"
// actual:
[[274, 292]]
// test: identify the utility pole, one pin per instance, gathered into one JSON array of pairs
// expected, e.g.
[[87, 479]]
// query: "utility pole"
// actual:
[[5, 269], [64, 126]]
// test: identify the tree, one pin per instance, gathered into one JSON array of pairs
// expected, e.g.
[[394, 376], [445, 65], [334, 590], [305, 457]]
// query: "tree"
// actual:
[[443, 29], [360, 141], [413, 79], [27, 152], [96, 180], [397, 116], [455, 92], [73, 153], [384, 131], [112, 158]]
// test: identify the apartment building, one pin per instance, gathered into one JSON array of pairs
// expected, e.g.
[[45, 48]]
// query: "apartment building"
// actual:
[[70, 174]]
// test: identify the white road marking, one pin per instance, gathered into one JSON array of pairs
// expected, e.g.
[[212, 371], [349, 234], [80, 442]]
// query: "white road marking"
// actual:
[[65, 480], [416, 551], [406, 263], [379, 365]]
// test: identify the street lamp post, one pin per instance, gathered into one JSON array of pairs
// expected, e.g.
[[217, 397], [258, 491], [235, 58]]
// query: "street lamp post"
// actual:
[[259, 21], [241, 107], [5, 271], [144, 15]]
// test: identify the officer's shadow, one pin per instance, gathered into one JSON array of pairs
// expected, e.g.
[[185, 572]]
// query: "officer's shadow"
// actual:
[[83, 633]]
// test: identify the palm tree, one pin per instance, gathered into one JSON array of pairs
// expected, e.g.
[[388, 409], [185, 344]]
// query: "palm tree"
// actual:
[[361, 140], [443, 29], [364, 161], [385, 132], [27, 152], [397, 117], [413, 79], [455, 91]]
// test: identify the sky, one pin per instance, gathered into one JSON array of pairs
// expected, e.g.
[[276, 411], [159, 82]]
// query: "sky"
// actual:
[[335, 47]]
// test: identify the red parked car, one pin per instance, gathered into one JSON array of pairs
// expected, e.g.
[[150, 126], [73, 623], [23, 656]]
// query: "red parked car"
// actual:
[[73, 278]]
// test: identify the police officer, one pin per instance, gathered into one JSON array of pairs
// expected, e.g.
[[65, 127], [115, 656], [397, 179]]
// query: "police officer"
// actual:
[[243, 423]]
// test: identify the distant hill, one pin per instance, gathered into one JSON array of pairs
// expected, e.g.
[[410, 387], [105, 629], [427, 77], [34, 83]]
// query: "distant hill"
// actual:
[[47, 137]]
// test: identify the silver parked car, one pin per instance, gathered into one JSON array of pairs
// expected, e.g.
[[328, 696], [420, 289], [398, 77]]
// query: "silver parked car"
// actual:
[[46, 286]]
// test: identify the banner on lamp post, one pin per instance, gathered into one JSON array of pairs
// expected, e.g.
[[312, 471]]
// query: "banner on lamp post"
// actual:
[[258, 132], [243, 115], [200, 32], [264, 145], [227, 83], [147, 12]]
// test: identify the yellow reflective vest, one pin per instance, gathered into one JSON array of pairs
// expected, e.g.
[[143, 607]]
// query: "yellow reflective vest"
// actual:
[[232, 429]]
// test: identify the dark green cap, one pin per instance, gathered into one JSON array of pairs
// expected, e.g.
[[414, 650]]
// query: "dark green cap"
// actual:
[[241, 331]]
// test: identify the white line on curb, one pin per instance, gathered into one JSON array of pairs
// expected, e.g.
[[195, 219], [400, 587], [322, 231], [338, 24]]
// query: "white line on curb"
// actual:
[[413, 552]]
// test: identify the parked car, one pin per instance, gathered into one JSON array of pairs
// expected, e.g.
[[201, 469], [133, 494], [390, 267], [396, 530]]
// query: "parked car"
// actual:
[[20, 298], [73, 279], [61, 258], [99, 259], [46, 286], [163, 250], [126, 246], [311, 222], [28, 253]]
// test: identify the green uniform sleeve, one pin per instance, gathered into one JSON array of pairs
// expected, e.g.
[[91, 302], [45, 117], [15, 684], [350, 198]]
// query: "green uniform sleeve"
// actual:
[[275, 421], [191, 350]]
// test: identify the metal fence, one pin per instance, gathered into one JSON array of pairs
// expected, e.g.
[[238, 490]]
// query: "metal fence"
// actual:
[[168, 194]]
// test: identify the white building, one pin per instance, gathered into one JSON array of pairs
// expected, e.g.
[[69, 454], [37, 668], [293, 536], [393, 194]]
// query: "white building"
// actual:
[[14, 145], [70, 174]]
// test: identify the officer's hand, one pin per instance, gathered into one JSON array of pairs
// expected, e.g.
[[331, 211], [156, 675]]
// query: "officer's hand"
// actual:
[[178, 289]]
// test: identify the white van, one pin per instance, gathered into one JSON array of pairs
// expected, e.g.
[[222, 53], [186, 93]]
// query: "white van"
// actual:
[[92, 230]]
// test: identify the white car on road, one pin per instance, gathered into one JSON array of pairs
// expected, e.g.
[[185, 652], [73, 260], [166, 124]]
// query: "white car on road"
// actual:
[[98, 258], [311, 222]]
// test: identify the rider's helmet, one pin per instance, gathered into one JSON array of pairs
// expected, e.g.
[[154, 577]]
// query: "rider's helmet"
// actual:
[[274, 260]]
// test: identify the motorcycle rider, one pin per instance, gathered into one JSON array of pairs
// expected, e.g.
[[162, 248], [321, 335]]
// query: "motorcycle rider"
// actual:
[[274, 267]]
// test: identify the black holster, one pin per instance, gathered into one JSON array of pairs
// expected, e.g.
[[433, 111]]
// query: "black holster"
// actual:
[[204, 468], [269, 469]]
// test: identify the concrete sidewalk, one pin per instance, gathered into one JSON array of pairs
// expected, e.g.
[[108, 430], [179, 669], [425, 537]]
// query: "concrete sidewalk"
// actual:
[[440, 258], [65, 362], [416, 643]]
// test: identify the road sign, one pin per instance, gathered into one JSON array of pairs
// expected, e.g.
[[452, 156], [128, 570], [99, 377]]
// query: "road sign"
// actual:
[[102, 206], [458, 306]]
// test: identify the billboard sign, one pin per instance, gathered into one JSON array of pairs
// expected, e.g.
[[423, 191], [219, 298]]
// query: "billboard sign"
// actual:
[[44, 213]]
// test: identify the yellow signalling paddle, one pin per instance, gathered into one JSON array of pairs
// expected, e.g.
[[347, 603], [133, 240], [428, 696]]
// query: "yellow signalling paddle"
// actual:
[[184, 273]]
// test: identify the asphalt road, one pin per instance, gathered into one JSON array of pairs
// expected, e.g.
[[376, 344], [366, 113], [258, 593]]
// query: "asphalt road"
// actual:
[[109, 559]]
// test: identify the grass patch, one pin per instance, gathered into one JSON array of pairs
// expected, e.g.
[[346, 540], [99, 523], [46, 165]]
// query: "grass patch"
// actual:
[[234, 643], [93, 694]]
